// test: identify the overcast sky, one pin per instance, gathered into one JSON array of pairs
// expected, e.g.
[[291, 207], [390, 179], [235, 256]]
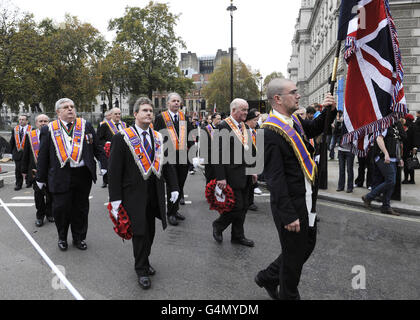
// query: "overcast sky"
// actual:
[[263, 29]]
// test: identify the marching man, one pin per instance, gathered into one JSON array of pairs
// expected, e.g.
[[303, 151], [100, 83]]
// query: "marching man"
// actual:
[[29, 162], [17, 144], [66, 161], [107, 130], [137, 178]]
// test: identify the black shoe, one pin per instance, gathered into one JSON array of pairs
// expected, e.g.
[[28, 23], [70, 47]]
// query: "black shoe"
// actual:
[[271, 289], [182, 201], [62, 244], [367, 202], [390, 211], [172, 220], [243, 241], [80, 244], [104, 185], [179, 216], [217, 235], [17, 188], [144, 282], [50, 219], [39, 222], [411, 182], [405, 182], [349, 191], [253, 207], [151, 271], [339, 190]]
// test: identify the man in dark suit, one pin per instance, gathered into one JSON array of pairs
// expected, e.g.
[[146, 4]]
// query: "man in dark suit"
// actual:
[[290, 174], [178, 128], [17, 145], [107, 130], [137, 182], [66, 161], [233, 173], [209, 129], [29, 162]]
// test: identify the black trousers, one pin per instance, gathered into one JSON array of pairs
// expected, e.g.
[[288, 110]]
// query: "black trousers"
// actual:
[[365, 163], [72, 208], [236, 217], [18, 174], [287, 268], [43, 202], [142, 245], [181, 172]]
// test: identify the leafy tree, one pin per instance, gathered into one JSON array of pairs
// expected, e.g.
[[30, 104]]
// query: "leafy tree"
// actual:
[[72, 52], [217, 91], [113, 72], [148, 34]]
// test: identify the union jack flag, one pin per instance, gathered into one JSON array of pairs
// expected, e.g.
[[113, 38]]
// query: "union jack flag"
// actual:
[[374, 97]]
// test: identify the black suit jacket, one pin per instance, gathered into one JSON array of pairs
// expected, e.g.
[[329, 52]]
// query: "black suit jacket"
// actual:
[[28, 159], [49, 169], [233, 173], [16, 155], [126, 183], [283, 173], [104, 134]]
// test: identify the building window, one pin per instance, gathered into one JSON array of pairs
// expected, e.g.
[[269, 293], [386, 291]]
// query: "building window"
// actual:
[[163, 102]]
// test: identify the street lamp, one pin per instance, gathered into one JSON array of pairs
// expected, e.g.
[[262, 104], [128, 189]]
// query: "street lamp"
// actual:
[[231, 8], [261, 91]]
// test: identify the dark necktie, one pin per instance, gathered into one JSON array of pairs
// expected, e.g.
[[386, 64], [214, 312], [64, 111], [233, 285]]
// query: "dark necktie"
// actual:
[[240, 127], [21, 134], [176, 124], [147, 146], [69, 126], [118, 126]]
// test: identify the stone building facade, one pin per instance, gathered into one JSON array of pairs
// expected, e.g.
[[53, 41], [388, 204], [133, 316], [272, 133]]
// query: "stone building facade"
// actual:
[[314, 47]]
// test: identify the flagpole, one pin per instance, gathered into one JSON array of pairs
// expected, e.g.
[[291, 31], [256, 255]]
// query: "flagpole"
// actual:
[[323, 164]]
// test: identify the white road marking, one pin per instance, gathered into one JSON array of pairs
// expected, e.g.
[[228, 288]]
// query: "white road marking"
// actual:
[[23, 198], [370, 212], [14, 205], [188, 202], [54, 268], [1, 176]]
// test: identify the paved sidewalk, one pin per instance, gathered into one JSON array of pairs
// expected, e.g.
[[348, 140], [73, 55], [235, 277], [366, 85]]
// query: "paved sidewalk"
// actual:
[[410, 193]]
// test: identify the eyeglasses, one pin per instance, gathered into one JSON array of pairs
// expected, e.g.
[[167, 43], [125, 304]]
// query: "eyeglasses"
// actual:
[[293, 93]]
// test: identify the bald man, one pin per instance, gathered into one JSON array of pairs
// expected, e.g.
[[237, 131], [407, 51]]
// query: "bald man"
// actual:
[[290, 172], [29, 163], [107, 130]]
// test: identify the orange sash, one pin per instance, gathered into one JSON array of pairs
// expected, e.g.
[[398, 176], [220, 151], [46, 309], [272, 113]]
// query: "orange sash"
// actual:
[[179, 142], [242, 135], [135, 144], [75, 154], [20, 144]]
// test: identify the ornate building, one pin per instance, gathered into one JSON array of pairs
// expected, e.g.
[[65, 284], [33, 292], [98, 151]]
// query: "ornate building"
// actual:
[[314, 46], [199, 70]]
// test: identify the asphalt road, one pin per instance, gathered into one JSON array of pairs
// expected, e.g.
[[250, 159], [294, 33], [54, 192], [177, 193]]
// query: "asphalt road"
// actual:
[[191, 265]]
